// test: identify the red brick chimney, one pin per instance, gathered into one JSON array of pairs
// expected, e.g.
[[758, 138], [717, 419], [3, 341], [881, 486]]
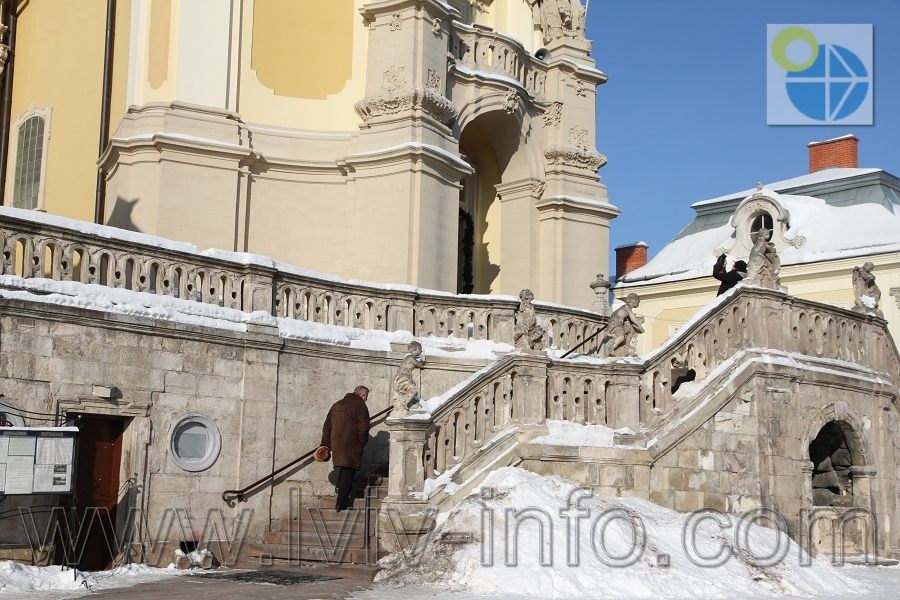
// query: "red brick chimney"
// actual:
[[837, 153], [630, 257]]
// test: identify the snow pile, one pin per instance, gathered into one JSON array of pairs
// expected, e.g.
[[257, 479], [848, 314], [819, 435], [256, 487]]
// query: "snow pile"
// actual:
[[15, 577], [569, 433], [439, 563]]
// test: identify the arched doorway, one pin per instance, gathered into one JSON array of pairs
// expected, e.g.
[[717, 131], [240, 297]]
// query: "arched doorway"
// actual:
[[830, 453]]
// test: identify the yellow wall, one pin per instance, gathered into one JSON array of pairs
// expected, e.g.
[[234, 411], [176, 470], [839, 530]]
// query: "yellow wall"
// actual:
[[667, 304], [59, 62]]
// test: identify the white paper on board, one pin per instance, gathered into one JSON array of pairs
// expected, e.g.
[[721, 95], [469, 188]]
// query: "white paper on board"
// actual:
[[19, 474]]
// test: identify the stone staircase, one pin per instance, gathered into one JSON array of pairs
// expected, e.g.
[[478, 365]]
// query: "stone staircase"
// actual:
[[323, 535]]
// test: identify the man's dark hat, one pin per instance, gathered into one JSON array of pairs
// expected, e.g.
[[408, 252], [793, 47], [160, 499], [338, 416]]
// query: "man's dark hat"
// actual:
[[741, 265]]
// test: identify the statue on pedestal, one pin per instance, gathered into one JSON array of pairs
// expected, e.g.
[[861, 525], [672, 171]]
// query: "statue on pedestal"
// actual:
[[406, 391], [527, 334], [623, 329], [559, 18], [764, 266], [866, 291]]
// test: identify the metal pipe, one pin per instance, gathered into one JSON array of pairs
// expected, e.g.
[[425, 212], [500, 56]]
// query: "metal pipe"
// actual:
[[100, 203], [6, 107]]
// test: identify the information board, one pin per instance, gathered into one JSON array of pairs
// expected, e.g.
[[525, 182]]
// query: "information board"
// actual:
[[37, 460]]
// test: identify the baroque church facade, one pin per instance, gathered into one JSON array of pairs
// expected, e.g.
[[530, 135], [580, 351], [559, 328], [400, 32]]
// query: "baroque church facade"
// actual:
[[445, 145]]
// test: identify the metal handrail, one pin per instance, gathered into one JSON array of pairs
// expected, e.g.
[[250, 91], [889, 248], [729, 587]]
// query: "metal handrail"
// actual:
[[239, 494], [586, 340]]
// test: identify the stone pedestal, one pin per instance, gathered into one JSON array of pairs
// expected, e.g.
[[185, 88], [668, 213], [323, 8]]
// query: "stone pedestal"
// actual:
[[407, 472]]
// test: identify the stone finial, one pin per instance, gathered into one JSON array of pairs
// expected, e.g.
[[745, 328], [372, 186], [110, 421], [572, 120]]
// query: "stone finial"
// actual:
[[764, 265], [527, 334], [405, 389], [759, 186], [601, 302], [623, 328], [866, 291]]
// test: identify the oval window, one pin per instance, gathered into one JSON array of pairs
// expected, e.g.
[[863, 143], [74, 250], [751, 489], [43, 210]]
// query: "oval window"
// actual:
[[195, 442], [759, 221]]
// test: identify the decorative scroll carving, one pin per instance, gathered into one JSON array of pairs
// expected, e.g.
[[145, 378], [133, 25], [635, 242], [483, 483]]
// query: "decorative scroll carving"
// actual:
[[895, 292], [580, 88], [511, 101], [393, 78], [560, 18], [601, 302], [396, 22], [392, 99], [623, 329], [406, 391], [764, 265], [553, 116], [527, 335], [434, 81], [866, 291], [580, 158]]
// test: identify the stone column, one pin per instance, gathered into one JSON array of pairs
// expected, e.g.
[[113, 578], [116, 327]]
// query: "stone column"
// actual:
[[806, 469], [862, 485], [407, 472], [624, 403]]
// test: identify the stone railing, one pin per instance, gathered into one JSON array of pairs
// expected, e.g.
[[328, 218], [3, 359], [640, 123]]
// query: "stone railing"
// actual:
[[36, 245], [526, 389], [498, 54]]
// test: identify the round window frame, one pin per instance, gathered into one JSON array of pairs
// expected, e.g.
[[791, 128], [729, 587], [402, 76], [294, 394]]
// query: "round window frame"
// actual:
[[212, 453]]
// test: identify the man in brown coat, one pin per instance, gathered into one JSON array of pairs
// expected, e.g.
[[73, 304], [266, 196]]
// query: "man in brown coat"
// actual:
[[345, 433]]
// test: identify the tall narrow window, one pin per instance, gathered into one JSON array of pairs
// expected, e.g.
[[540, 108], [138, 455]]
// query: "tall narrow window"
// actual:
[[29, 152], [29, 136]]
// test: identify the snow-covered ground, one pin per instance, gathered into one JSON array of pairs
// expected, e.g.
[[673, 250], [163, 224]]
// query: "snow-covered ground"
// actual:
[[45, 583], [442, 568]]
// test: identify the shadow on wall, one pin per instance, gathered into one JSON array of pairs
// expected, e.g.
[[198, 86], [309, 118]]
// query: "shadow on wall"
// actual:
[[121, 214]]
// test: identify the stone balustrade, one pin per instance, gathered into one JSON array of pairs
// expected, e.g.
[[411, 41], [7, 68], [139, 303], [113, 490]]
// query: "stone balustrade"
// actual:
[[498, 54], [525, 389], [36, 245]]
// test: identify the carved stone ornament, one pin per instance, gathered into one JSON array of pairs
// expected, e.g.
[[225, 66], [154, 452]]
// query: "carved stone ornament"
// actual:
[[622, 329], [866, 292], [560, 18], [527, 334], [580, 88], [436, 27], [511, 101], [553, 116], [395, 98], [389, 102], [538, 187], [405, 390], [571, 156], [895, 292], [579, 137], [397, 22], [434, 81], [601, 302]]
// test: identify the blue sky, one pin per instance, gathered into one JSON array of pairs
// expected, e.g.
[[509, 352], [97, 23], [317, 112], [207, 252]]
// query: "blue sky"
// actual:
[[683, 115]]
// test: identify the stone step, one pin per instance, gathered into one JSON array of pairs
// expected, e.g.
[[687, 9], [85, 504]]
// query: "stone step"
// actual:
[[272, 552], [360, 502], [361, 572], [331, 517], [309, 537]]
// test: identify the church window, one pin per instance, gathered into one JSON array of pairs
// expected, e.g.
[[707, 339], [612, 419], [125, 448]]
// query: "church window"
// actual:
[[759, 221], [29, 138]]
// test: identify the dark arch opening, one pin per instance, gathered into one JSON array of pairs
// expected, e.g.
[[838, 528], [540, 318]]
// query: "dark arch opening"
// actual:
[[832, 459]]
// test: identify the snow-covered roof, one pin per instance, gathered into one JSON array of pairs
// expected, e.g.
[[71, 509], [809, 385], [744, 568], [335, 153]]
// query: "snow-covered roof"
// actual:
[[793, 184], [831, 232]]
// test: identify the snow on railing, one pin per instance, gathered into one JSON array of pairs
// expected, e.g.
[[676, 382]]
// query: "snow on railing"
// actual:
[[37, 245]]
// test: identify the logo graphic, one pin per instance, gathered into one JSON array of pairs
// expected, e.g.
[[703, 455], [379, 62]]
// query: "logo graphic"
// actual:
[[819, 75]]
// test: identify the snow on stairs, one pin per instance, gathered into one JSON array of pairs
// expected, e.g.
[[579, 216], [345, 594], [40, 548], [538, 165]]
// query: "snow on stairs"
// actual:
[[321, 534]]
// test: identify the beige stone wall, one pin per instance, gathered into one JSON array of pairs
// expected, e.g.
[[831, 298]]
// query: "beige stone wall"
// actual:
[[267, 396]]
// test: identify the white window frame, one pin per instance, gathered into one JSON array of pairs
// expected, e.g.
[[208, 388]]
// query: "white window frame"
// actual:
[[46, 112]]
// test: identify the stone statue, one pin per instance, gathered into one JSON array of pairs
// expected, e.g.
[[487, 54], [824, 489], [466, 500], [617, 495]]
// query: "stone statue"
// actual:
[[867, 293], [527, 334], [764, 265], [406, 392], [601, 302], [560, 18], [623, 328]]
